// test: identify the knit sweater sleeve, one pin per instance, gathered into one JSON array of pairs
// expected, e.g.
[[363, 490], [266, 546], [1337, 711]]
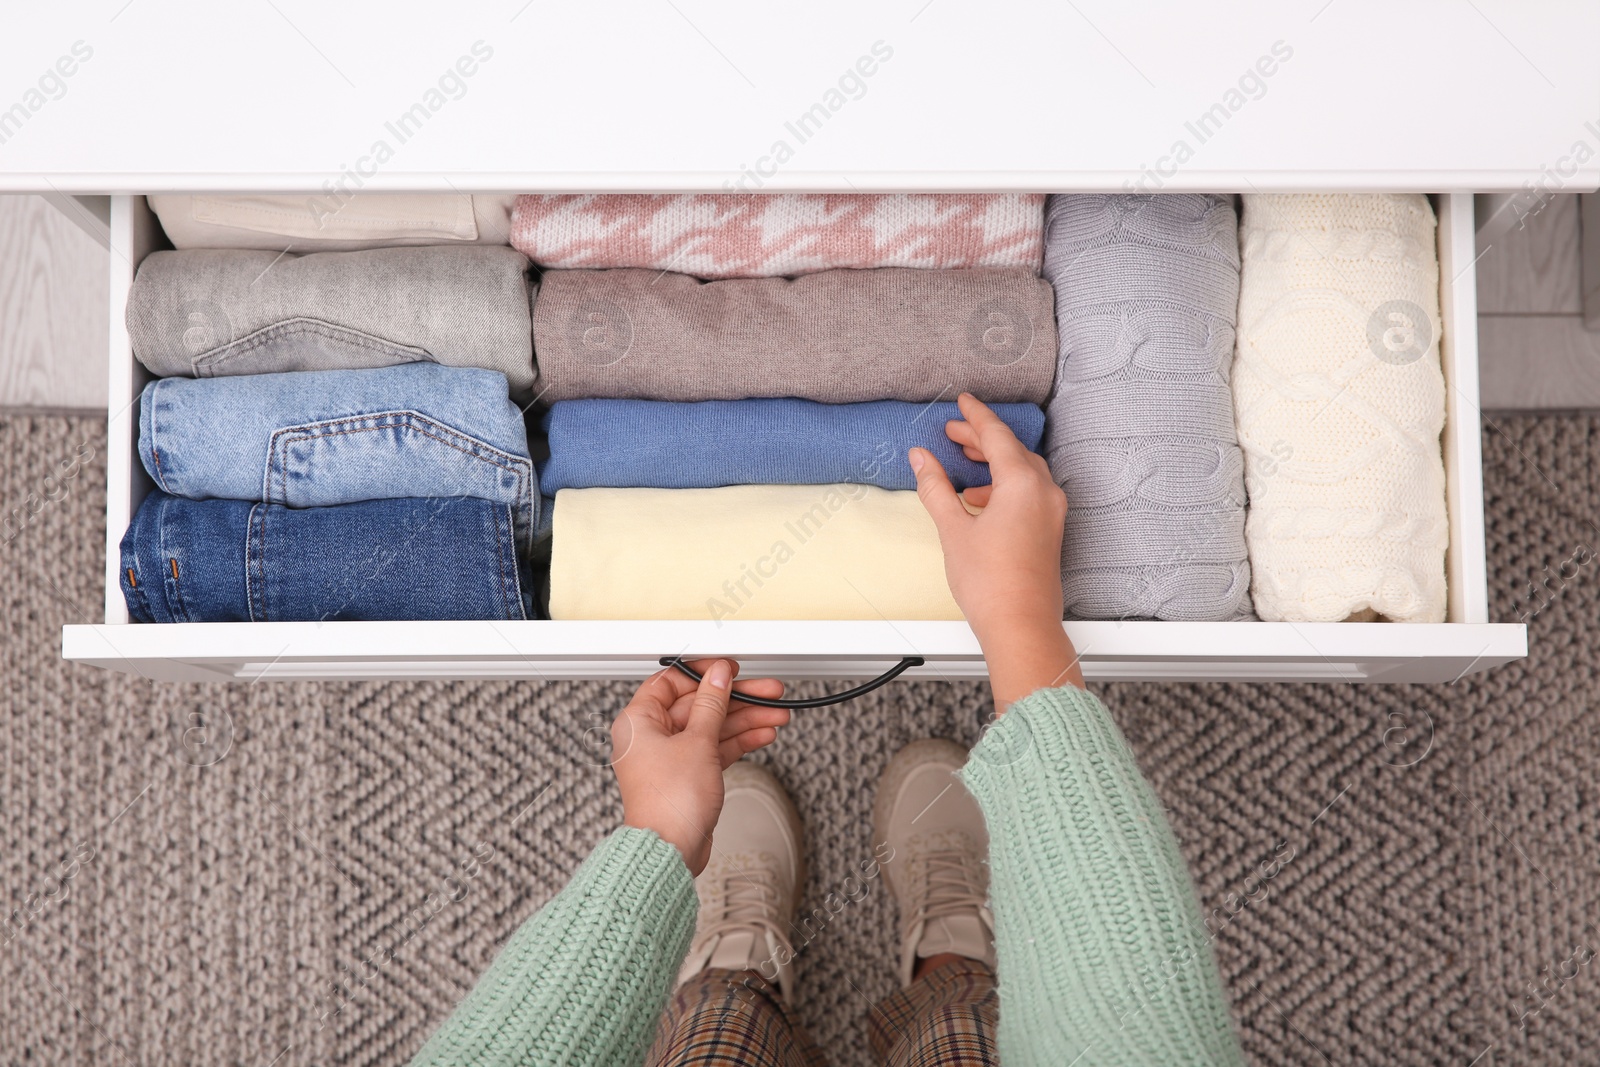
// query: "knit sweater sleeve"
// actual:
[[585, 979], [1102, 950]]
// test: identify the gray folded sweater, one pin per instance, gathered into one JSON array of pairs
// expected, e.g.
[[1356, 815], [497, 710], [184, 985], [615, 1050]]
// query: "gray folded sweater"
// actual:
[[1140, 432], [204, 313], [841, 336]]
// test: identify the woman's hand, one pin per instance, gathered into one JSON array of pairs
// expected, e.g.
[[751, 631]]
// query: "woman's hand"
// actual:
[[672, 742], [1004, 564]]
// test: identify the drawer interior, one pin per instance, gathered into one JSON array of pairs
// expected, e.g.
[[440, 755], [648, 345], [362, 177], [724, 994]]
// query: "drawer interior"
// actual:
[[1138, 649]]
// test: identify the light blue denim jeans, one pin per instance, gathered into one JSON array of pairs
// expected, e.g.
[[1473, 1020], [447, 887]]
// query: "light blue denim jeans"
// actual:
[[320, 438]]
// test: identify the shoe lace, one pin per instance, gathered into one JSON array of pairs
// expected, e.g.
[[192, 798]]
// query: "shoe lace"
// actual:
[[741, 899], [949, 885]]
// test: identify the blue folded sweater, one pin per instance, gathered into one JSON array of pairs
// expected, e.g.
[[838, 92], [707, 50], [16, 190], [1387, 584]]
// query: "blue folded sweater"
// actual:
[[657, 445]]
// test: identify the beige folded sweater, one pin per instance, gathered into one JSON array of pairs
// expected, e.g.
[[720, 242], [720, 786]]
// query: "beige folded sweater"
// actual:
[[1340, 399], [746, 552], [323, 222]]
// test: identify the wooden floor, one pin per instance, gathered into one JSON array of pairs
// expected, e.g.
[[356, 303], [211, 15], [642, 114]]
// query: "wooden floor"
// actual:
[[53, 309], [1534, 350]]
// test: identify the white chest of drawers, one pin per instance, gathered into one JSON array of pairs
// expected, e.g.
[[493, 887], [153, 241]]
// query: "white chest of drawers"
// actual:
[[1347, 95], [545, 649]]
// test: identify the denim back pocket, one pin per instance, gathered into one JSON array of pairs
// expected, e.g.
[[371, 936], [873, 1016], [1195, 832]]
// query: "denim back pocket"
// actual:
[[302, 343], [395, 454]]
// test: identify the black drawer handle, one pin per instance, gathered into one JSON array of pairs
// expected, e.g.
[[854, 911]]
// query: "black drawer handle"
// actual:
[[812, 702]]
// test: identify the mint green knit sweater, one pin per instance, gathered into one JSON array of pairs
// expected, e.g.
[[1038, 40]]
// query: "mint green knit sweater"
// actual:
[[1104, 958]]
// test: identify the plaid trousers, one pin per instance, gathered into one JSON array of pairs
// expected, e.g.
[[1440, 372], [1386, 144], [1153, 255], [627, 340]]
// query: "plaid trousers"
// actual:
[[719, 1018]]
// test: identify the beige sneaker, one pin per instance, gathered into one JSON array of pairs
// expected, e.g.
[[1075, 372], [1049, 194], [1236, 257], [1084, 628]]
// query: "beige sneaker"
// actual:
[[749, 890], [938, 871]]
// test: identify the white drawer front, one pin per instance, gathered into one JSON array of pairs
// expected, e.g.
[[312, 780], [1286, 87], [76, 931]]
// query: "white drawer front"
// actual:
[[1369, 94], [1169, 651], [1111, 651]]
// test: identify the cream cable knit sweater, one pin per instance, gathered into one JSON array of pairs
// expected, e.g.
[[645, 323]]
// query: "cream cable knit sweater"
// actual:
[[1340, 398]]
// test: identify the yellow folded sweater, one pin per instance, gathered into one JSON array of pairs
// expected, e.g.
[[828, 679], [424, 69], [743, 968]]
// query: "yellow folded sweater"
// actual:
[[746, 552]]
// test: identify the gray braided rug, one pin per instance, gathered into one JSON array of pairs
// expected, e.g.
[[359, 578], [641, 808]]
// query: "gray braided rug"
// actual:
[[315, 873]]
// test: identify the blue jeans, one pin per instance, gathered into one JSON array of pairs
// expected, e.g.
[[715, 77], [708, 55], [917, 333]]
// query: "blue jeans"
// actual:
[[318, 438], [235, 561]]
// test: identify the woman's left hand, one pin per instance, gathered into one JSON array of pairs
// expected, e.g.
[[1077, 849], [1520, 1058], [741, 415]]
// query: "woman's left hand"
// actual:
[[672, 742]]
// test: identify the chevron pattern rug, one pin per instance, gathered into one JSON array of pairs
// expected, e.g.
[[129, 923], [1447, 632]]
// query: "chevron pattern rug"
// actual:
[[316, 873]]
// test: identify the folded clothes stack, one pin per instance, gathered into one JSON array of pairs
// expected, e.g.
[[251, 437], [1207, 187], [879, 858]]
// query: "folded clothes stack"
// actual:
[[332, 495], [210, 313], [730, 372], [1341, 400], [1141, 430], [334, 366]]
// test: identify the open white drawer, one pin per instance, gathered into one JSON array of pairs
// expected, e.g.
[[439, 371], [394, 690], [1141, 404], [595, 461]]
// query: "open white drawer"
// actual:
[[1110, 650]]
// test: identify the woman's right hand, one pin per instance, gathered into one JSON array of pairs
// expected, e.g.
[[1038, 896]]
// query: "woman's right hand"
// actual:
[[672, 742], [1003, 564]]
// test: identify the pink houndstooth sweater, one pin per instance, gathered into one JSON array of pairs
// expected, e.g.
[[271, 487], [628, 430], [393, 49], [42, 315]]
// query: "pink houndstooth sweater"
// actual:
[[743, 235]]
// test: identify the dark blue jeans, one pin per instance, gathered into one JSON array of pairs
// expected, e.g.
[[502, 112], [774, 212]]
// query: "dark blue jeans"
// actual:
[[234, 561]]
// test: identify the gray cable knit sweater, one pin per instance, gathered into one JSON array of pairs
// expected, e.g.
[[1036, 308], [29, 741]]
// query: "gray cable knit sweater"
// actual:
[[1141, 432]]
